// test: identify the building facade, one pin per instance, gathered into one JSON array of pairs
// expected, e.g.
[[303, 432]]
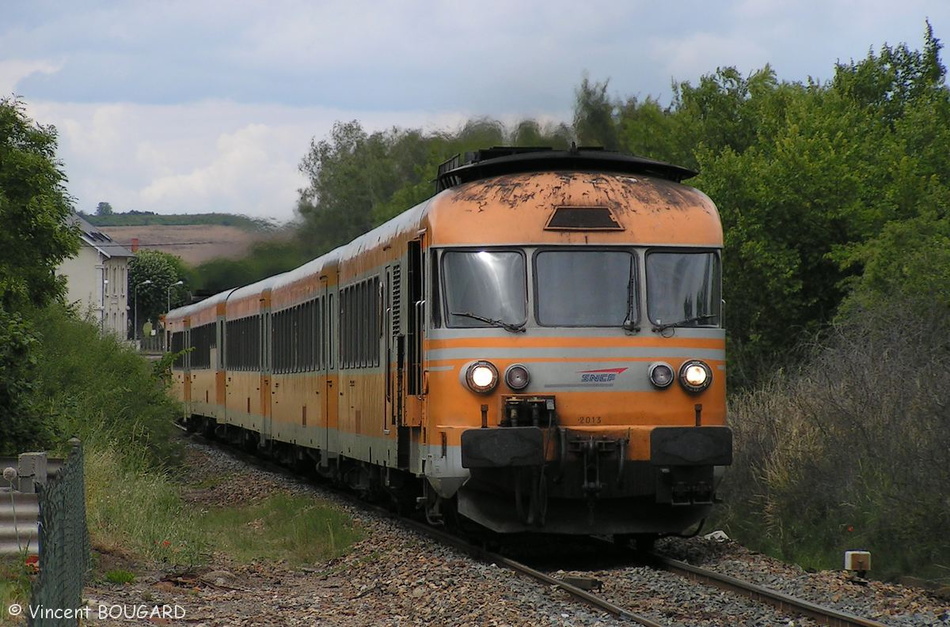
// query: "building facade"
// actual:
[[97, 280]]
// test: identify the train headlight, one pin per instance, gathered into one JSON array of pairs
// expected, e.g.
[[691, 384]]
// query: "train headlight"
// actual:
[[695, 376], [661, 375], [517, 377], [482, 377]]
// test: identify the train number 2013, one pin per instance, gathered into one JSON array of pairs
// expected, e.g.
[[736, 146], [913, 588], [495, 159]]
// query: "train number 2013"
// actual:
[[589, 420]]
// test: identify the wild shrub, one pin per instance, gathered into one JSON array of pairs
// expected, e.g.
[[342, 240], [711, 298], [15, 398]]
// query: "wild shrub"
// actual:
[[22, 426], [99, 390], [851, 450]]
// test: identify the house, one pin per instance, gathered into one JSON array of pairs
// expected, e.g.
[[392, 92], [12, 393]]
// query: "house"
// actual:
[[97, 279]]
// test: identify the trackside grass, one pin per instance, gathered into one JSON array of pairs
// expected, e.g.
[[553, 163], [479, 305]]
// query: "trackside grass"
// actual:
[[143, 515], [15, 584], [295, 529], [113, 400]]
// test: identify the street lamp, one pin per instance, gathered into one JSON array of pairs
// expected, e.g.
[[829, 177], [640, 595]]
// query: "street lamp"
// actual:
[[168, 295], [135, 301], [168, 307]]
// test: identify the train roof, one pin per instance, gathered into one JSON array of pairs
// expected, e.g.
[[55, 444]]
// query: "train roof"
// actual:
[[502, 160]]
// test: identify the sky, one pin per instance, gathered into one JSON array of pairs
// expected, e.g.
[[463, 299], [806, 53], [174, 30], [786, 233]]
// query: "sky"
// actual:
[[201, 106]]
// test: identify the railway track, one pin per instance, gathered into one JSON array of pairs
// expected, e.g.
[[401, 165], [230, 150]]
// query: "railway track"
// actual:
[[618, 608], [778, 600]]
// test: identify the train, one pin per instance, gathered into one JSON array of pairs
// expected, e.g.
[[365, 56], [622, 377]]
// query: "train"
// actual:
[[537, 348]]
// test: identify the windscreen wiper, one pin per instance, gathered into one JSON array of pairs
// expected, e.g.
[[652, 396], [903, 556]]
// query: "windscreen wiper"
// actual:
[[669, 325], [629, 323], [507, 326]]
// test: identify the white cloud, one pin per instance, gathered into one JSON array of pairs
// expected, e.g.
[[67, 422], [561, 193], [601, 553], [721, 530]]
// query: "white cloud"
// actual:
[[253, 168], [12, 71], [210, 156], [181, 106], [705, 52]]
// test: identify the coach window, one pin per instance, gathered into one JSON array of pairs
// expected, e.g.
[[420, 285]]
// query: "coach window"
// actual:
[[684, 288], [589, 288], [484, 288]]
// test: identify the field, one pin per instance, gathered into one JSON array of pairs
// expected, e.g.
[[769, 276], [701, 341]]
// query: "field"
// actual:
[[195, 244]]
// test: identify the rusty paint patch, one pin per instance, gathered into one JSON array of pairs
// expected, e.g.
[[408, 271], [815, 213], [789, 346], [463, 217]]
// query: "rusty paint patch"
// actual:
[[620, 193]]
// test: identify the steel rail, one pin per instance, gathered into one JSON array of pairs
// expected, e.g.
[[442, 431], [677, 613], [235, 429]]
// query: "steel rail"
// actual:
[[487, 556], [780, 600], [580, 593]]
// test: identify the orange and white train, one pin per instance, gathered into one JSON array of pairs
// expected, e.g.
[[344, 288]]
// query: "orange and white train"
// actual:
[[536, 348]]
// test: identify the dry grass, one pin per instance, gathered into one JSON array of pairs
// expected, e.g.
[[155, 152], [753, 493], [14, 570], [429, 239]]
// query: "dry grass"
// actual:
[[852, 450]]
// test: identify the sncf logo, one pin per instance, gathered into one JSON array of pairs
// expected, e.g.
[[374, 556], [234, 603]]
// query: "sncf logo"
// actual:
[[600, 376]]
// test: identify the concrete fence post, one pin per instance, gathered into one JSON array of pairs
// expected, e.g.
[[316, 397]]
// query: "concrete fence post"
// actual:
[[32, 470]]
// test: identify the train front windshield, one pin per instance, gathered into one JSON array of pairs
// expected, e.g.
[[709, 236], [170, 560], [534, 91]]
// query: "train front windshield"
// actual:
[[580, 288], [683, 288], [585, 288], [485, 288]]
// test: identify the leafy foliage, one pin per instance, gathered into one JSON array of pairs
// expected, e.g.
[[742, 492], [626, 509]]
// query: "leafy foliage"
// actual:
[[851, 449], [359, 180], [814, 183], [34, 240], [22, 425], [152, 278], [98, 389], [264, 259], [34, 207]]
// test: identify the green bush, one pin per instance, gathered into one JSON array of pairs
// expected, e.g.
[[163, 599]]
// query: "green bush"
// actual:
[[22, 426], [99, 390], [851, 450]]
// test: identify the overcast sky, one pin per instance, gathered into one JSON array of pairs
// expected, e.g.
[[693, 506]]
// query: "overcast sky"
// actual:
[[209, 105]]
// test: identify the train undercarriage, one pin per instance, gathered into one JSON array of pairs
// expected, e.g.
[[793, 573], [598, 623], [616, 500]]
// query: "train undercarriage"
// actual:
[[590, 488]]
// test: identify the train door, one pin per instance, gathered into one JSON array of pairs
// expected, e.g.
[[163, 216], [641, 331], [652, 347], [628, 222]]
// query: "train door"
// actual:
[[415, 333], [394, 357], [186, 366], [220, 381], [266, 370], [327, 433], [406, 343]]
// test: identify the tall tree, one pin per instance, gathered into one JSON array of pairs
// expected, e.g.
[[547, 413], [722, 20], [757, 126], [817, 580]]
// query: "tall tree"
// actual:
[[34, 240], [152, 275], [348, 173], [34, 207], [595, 115]]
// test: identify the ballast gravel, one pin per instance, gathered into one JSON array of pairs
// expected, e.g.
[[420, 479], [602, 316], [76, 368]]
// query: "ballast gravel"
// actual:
[[395, 576]]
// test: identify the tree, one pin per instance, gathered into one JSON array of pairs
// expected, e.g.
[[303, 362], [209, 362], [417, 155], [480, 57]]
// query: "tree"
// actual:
[[346, 178], [151, 274], [22, 426], [34, 240], [34, 207], [104, 209], [595, 122]]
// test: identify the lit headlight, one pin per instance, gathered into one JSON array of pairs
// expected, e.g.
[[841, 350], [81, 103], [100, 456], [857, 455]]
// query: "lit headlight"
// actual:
[[482, 377], [517, 377], [695, 376], [661, 375]]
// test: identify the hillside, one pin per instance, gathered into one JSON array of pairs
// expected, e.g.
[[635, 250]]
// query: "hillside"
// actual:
[[195, 244], [147, 218]]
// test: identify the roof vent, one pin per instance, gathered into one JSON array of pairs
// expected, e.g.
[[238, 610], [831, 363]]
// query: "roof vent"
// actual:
[[583, 219]]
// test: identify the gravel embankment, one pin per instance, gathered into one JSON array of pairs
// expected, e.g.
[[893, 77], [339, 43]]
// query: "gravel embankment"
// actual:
[[397, 577]]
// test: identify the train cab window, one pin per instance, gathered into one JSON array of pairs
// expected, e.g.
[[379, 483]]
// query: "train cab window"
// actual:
[[484, 288], [586, 288], [684, 288]]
